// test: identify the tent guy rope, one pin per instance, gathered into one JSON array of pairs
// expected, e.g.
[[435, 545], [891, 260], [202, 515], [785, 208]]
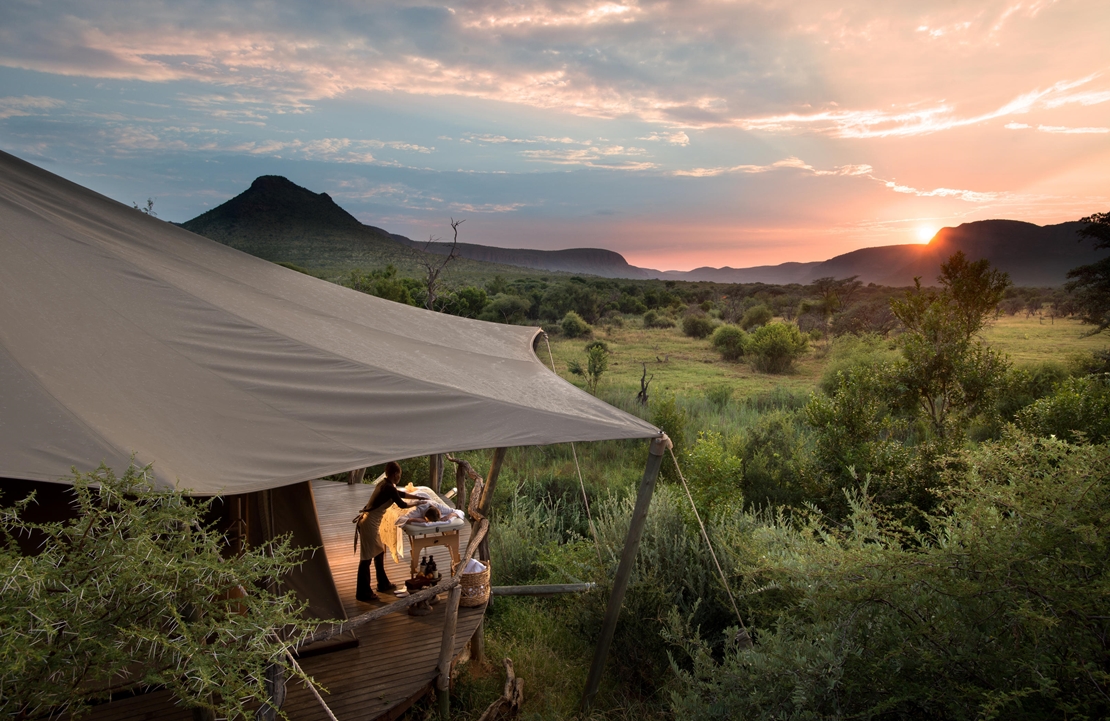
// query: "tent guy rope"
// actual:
[[574, 453], [743, 638]]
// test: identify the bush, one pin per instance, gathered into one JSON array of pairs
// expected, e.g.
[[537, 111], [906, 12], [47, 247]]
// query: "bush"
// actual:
[[654, 319], [850, 352], [573, 326], [697, 325], [1078, 410], [506, 309], [719, 395], [666, 414], [996, 611], [714, 474], [1025, 385], [104, 600], [728, 340], [775, 347], [756, 316], [777, 461]]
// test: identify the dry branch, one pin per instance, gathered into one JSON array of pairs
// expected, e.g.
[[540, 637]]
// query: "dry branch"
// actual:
[[512, 698]]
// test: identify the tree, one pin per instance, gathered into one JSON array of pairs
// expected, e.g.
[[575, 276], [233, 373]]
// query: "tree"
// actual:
[[950, 374], [597, 362], [1091, 283], [432, 269], [136, 588]]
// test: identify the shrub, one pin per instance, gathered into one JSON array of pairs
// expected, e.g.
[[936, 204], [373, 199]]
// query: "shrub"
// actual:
[[775, 347], [1079, 409], [506, 309], [654, 319], [850, 352], [666, 414], [728, 340], [697, 325], [777, 461], [1027, 384], [719, 395], [714, 474], [105, 599], [995, 611], [573, 326], [756, 316]]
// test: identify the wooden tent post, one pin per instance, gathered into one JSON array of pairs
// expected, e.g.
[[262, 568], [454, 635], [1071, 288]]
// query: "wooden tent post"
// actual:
[[628, 557], [487, 495], [447, 652], [435, 471]]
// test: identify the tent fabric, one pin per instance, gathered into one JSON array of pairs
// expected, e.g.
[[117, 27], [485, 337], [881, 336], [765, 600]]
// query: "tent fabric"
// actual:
[[124, 335]]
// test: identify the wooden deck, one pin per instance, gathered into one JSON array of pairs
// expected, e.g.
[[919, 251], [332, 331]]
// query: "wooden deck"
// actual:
[[395, 661]]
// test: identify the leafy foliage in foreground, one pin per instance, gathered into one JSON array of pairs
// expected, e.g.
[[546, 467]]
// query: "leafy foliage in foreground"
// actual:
[[997, 610], [134, 591]]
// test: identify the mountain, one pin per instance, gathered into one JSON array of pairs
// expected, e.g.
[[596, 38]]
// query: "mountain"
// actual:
[[280, 221], [591, 261], [283, 222], [1033, 255]]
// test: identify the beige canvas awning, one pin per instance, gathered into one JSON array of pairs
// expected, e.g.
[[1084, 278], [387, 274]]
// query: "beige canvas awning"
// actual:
[[121, 334]]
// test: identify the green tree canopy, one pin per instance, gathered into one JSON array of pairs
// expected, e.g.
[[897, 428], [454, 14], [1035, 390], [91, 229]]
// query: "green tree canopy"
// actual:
[[1091, 283]]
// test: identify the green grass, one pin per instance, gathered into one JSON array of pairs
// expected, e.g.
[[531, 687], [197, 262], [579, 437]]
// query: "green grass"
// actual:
[[680, 365], [1037, 340]]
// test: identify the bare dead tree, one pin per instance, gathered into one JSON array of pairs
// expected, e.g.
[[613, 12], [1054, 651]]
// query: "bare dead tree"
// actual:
[[642, 396], [432, 282]]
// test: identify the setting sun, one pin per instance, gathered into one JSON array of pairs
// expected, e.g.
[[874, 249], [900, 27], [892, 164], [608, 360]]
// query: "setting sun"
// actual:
[[925, 233]]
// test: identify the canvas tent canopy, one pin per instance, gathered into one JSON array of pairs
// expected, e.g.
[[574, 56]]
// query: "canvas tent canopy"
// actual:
[[124, 335]]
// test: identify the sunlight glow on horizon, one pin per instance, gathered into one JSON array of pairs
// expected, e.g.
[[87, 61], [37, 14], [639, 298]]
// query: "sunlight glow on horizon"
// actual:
[[925, 233]]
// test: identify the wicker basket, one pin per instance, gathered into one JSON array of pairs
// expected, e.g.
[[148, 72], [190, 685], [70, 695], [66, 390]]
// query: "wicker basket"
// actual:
[[475, 588]]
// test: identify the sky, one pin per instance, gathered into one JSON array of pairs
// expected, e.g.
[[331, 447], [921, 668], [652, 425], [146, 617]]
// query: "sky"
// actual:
[[679, 134]]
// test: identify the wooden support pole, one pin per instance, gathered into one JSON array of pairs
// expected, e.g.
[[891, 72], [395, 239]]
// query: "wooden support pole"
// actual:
[[355, 477], [546, 589], [624, 570], [491, 480], [447, 652], [478, 642], [487, 495], [435, 471]]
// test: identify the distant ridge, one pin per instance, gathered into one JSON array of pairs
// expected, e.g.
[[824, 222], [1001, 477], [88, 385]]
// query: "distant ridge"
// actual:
[[591, 261], [278, 220]]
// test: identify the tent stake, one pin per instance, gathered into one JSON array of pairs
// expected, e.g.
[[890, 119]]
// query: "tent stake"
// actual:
[[624, 570]]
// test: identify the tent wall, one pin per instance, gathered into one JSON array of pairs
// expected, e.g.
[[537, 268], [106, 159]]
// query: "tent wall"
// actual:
[[292, 509]]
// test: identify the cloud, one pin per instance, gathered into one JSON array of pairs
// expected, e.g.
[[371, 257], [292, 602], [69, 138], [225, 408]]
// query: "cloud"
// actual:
[[1060, 129], [788, 163], [883, 124], [857, 170], [12, 107], [676, 138], [604, 157], [1071, 131], [760, 65]]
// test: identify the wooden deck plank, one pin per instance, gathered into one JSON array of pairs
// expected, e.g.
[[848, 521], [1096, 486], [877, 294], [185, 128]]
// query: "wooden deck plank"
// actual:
[[396, 657]]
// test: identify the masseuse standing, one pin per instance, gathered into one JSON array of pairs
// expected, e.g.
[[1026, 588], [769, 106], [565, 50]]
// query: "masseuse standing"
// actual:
[[369, 520]]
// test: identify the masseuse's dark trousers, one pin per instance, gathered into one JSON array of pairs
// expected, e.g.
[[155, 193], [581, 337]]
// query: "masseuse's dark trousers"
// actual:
[[363, 589]]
